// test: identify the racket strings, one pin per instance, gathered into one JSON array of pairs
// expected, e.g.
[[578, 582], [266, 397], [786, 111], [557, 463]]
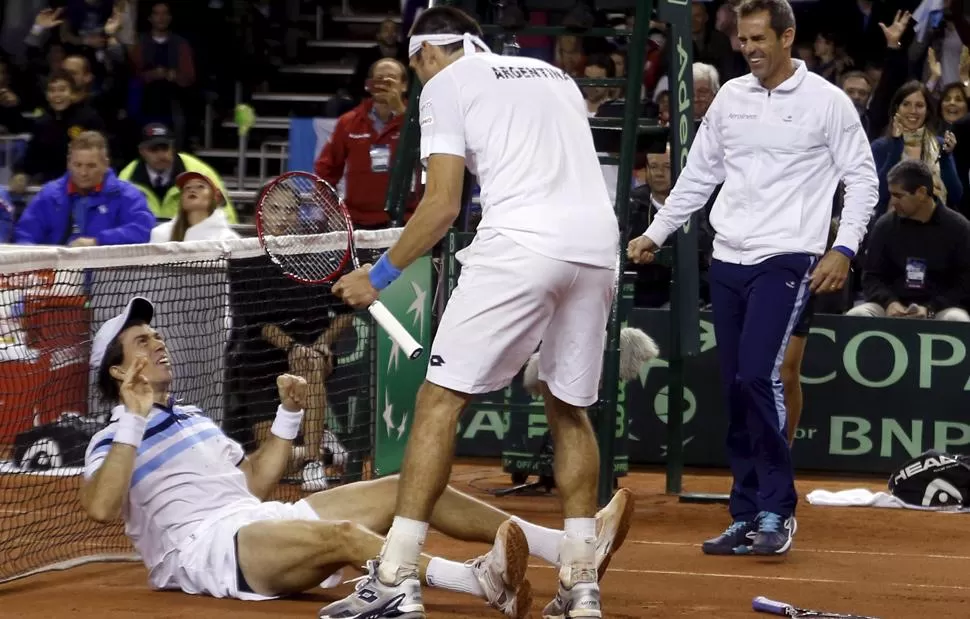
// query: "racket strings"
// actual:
[[305, 230]]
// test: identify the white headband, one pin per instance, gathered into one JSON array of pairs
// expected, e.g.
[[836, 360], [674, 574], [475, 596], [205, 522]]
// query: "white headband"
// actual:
[[470, 42]]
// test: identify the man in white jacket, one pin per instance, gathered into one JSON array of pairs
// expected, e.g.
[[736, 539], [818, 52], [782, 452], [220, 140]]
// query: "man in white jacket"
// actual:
[[780, 139]]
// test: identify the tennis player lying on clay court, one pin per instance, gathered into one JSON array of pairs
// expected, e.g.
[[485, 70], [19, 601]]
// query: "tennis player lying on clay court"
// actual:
[[192, 500]]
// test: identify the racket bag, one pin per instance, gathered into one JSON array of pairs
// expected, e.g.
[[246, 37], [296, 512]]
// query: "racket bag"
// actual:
[[933, 479]]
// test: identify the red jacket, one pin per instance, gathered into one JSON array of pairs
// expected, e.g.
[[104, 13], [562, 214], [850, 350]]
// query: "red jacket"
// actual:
[[349, 150]]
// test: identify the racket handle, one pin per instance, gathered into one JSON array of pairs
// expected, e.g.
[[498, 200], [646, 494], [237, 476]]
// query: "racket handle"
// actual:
[[765, 605], [395, 329]]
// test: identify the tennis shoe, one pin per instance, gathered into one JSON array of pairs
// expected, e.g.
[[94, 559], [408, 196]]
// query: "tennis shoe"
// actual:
[[579, 591], [372, 599], [775, 534], [501, 572], [612, 525], [737, 539]]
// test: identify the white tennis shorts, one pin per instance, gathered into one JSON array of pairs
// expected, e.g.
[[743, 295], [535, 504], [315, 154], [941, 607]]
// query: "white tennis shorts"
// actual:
[[510, 299], [206, 563]]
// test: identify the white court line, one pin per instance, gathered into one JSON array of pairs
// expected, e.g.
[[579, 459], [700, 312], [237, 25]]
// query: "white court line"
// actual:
[[800, 579], [866, 553]]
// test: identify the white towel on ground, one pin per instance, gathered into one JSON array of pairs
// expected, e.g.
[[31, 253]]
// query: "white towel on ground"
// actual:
[[860, 497]]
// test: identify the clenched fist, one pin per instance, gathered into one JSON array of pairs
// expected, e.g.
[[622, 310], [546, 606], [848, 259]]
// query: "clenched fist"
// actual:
[[641, 250], [293, 391]]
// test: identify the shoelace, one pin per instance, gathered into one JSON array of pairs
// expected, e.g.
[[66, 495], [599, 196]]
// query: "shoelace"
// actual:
[[735, 528], [770, 523]]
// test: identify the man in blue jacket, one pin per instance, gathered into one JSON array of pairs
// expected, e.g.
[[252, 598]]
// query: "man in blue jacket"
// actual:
[[87, 206]]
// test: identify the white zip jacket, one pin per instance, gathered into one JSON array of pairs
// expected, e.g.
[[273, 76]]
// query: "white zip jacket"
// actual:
[[780, 155]]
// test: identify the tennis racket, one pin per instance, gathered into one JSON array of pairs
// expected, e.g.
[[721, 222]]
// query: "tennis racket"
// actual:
[[765, 605], [305, 229]]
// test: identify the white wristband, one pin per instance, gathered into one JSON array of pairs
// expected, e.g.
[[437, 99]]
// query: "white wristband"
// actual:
[[131, 428], [287, 424]]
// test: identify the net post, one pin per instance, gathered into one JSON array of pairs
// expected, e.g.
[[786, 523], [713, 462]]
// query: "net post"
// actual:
[[606, 426], [684, 293], [405, 158]]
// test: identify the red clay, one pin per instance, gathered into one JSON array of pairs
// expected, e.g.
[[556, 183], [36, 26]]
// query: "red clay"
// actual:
[[893, 564]]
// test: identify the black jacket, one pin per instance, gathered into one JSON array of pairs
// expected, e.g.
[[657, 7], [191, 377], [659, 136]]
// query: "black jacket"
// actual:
[[46, 156], [914, 262]]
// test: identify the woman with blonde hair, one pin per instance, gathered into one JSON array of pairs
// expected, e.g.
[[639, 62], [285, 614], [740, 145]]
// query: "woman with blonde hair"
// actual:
[[200, 216]]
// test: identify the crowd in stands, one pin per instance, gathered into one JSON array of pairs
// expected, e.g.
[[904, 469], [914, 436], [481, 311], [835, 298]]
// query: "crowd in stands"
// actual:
[[137, 73], [91, 71]]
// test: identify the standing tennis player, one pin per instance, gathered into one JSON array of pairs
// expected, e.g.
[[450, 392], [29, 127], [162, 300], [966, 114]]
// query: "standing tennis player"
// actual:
[[541, 269], [780, 139]]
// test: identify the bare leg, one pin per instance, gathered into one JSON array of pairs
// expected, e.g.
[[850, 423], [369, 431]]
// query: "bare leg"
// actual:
[[281, 557], [576, 465], [371, 504], [430, 451], [791, 370]]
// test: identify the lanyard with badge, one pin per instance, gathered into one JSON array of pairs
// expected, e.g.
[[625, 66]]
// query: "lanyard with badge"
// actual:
[[380, 158]]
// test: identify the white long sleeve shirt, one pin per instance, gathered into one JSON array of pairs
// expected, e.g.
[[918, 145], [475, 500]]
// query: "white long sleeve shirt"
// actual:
[[780, 155]]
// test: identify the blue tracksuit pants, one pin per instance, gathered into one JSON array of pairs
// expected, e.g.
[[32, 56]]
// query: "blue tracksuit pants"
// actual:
[[755, 307]]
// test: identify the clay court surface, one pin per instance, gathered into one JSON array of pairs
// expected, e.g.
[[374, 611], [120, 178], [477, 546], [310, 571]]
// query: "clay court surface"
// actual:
[[893, 564]]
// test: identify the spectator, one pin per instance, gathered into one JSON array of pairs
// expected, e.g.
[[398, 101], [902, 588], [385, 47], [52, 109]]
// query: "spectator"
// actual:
[[62, 121], [7, 218], [618, 56], [858, 86], [87, 206], [954, 103], [11, 104], [831, 59], [84, 24], [295, 334], [652, 286], [165, 67], [912, 134], [568, 55], [917, 264], [707, 82], [157, 167], [363, 145], [388, 45], [710, 45], [199, 217], [15, 198], [598, 66]]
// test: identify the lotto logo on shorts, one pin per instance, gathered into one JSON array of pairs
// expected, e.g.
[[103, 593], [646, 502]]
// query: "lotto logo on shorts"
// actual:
[[436, 361]]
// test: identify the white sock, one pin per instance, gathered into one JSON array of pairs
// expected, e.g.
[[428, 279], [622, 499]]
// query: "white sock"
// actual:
[[401, 548], [581, 527], [453, 576], [543, 542]]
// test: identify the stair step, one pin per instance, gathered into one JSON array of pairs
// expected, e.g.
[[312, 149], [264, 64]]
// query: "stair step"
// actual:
[[342, 44], [232, 153], [296, 97], [364, 19], [267, 122], [318, 69]]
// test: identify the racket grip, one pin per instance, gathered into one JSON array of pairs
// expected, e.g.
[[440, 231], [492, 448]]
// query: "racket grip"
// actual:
[[395, 329], [765, 605]]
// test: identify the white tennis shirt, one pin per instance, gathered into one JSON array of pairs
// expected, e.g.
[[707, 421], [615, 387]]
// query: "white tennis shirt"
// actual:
[[186, 472], [521, 125]]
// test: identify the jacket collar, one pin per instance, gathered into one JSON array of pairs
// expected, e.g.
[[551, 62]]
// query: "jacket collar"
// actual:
[[66, 187], [793, 82], [203, 230]]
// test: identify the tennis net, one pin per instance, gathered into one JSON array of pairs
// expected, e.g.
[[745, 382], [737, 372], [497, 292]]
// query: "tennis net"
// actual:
[[227, 314]]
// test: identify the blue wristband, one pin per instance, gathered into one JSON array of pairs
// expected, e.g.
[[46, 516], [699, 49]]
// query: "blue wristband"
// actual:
[[845, 251], [383, 273]]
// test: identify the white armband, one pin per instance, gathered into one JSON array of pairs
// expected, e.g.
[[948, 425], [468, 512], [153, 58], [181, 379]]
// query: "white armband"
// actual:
[[131, 429], [287, 424]]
